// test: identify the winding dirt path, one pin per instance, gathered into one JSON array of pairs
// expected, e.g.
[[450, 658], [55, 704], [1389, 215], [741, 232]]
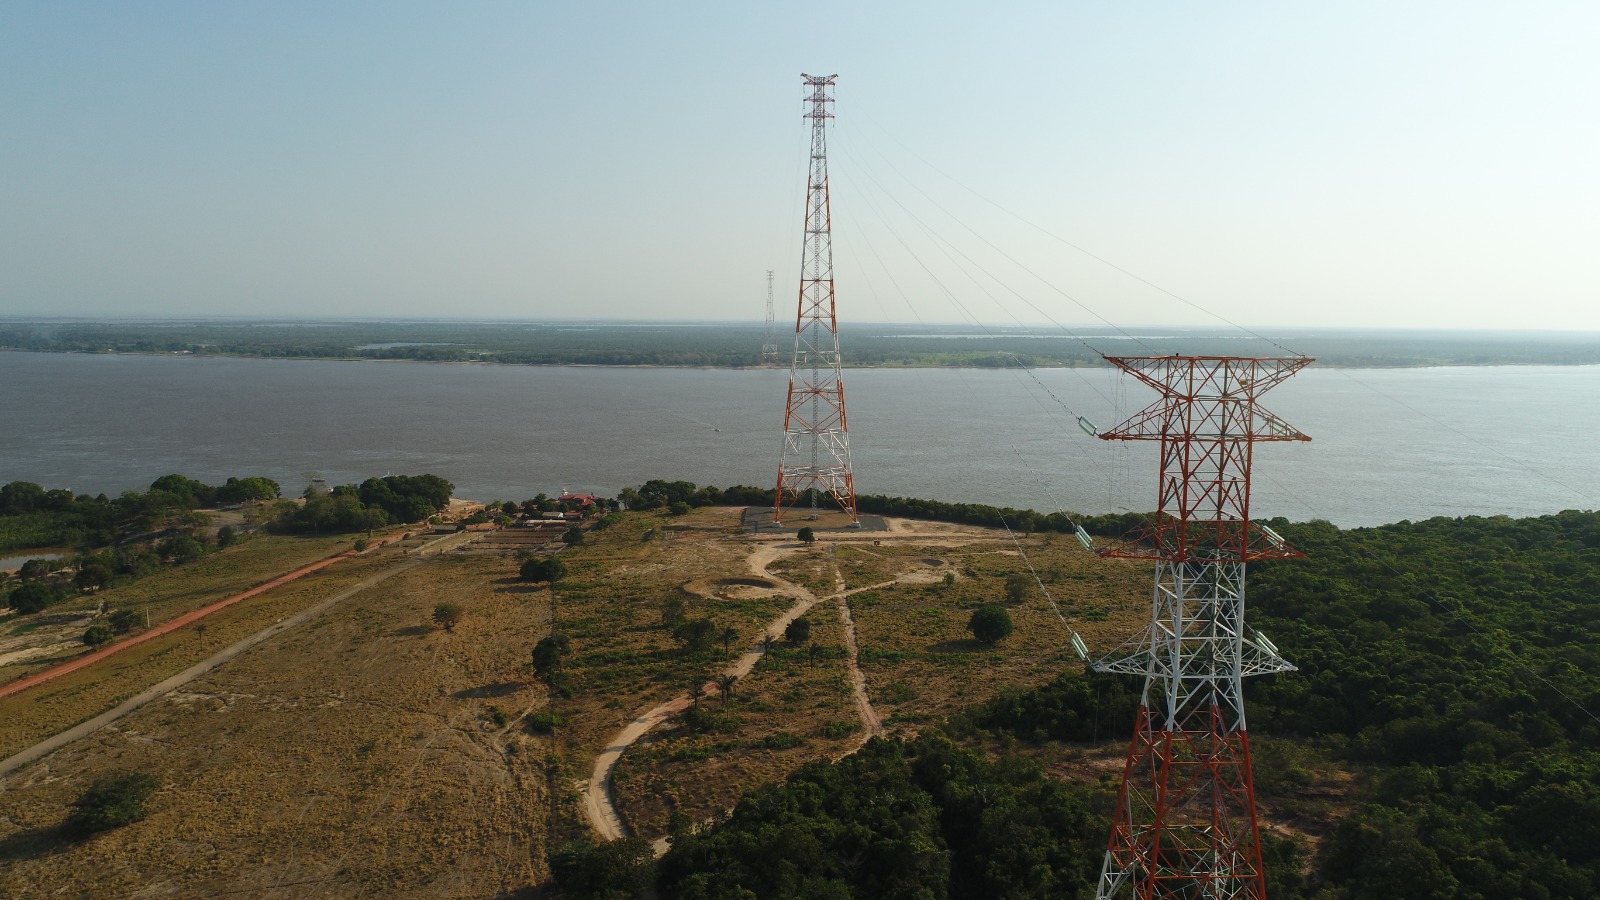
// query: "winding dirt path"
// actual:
[[599, 801]]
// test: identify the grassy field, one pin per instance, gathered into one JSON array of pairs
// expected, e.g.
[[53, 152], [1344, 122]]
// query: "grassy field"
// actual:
[[369, 752], [31, 643]]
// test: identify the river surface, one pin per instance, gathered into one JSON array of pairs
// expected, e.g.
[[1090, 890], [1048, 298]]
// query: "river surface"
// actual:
[[1388, 444]]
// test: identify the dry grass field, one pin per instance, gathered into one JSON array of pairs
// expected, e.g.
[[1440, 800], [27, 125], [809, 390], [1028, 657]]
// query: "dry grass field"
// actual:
[[369, 752], [31, 643]]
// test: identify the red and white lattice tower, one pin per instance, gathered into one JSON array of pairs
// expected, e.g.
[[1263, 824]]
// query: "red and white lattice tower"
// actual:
[[816, 438], [1185, 822], [769, 341]]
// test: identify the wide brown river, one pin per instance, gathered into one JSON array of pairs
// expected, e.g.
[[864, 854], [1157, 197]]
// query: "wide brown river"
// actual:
[[1388, 444]]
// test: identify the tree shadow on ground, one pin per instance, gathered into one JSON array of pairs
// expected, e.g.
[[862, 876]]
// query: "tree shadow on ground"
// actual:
[[962, 645], [489, 691], [412, 631], [34, 843]]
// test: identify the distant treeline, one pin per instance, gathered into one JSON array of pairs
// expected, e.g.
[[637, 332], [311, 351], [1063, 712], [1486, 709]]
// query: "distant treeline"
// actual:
[[32, 516], [735, 345], [372, 504], [657, 494]]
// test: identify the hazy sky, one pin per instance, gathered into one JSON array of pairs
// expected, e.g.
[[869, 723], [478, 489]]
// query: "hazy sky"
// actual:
[[1284, 163]]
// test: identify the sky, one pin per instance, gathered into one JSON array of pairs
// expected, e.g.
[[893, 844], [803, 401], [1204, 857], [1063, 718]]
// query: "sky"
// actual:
[[1282, 164]]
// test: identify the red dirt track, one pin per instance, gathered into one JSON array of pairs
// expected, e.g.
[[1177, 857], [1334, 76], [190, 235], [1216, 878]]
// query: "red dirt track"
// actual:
[[168, 627]]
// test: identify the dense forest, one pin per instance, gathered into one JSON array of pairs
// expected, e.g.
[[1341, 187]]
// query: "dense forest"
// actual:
[[119, 540], [526, 343], [1450, 666]]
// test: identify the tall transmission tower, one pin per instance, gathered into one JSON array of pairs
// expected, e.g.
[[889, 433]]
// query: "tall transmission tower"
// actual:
[[769, 343], [1185, 821], [816, 438]]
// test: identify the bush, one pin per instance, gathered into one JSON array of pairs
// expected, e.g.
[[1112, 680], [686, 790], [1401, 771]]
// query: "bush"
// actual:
[[544, 721], [99, 633], [448, 615], [545, 568], [616, 869], [990, 624], [111, 803], [798, 631], [124, 620], [226, 537], [34, 596], [679, 508], [1017, 587], [573, 536], [696, 634], [547, 655], [806, 536]]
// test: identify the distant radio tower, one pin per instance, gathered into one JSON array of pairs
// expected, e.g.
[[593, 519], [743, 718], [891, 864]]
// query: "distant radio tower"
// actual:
[[816, 439], [769, 344], [1185, 820]]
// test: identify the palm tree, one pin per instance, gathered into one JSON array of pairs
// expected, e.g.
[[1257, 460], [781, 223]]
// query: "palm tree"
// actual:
[[696, 685], [726, 683], [728, 634]]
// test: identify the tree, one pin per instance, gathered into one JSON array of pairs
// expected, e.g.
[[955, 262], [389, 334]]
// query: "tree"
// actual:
[[93, 574], [226, 536], [111, 803], [1016, 587], [673, 613], [695, 635], [807, 536], [798, 631], [728, 634], [725, 683], [448, 615], [99, 633], [34, 596], [679, 508], [123, 620], [543, 568], [990, 624], [573, 536], [547, 655], [614, 870]]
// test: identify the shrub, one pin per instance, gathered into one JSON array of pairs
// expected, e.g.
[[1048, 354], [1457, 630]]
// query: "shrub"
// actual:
[[679, 508], [448, 615], [99, 633], [34, 596], [990, 624], [696, 634], [615, 869], [111, 803], [806, 536], [226, 537], [497, 716], [798, 631], [1016, 587], [124, 620], [545, 568], [547, 655], [544, 721], [573, 536]]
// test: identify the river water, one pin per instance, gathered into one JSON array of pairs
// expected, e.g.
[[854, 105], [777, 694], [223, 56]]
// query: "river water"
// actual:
[[1388, 444]]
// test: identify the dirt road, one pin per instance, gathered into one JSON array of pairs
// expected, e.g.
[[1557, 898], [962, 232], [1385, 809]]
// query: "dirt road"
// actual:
[[599, 801], [127, 706]]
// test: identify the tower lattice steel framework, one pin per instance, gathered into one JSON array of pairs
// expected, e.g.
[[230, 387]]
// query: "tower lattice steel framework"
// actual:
[[1185, 822], [769, 341], [816, 437]]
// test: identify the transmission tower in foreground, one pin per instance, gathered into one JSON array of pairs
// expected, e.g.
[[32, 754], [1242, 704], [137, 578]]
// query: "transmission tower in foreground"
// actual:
[[769, 343], [1185, 822], [816, 438]]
